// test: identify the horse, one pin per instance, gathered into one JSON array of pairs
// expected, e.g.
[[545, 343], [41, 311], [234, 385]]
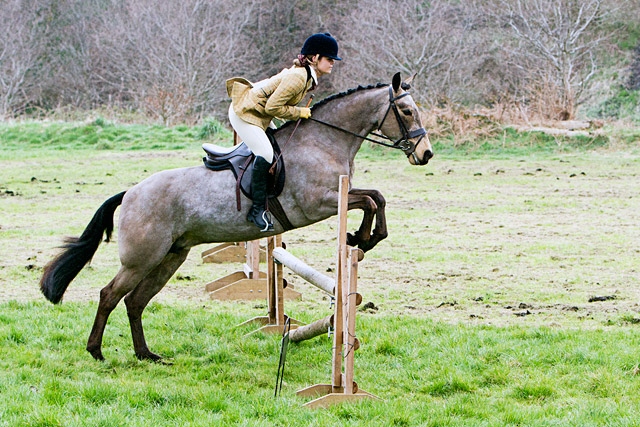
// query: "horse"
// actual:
[[168, 213]]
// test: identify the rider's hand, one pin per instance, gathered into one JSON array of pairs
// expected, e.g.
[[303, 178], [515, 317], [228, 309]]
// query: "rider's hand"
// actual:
[[305, 112]]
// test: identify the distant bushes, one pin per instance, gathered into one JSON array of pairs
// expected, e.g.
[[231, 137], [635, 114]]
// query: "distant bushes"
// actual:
[[623, 105]]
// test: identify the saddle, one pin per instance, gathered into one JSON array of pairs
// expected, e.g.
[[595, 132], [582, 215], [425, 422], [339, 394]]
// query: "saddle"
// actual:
[[239, 159]]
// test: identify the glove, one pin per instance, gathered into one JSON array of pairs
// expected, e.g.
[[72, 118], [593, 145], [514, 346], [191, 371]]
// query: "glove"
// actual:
[[305, 112]]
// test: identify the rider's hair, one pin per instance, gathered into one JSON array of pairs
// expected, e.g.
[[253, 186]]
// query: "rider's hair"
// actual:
[[303, 60]]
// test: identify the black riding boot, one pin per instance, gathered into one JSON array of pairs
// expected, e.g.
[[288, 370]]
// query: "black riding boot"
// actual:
[[257, 213]]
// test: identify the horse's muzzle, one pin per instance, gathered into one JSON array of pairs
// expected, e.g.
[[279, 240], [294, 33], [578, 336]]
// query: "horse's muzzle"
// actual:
[[427, 156], [414, 159]]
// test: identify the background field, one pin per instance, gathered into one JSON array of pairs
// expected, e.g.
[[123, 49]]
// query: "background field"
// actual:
[[506, 294]]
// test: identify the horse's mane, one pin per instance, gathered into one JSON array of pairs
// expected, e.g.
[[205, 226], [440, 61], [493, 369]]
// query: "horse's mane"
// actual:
[[347, 93], [338, 96]]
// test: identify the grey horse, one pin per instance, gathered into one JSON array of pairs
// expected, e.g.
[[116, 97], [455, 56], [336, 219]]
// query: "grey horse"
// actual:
[[167, 214]]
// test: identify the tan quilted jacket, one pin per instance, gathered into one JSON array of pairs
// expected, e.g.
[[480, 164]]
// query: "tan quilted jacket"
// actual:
[[276, 97]]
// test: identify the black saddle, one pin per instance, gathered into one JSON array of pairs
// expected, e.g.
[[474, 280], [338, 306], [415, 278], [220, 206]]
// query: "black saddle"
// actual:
[[239, 159]]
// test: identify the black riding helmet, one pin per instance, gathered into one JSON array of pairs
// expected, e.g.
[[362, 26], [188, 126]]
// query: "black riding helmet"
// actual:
[[322, 44]]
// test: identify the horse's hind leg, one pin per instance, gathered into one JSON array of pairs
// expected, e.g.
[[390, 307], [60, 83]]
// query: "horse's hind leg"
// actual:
[[137, 300], [125, 280]]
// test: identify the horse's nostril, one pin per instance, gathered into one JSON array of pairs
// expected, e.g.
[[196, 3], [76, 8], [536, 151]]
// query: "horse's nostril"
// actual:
[[428, 154]]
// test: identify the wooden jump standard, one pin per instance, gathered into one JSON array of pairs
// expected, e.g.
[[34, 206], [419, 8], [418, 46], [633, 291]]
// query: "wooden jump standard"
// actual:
[[247, 284], [343, 289]]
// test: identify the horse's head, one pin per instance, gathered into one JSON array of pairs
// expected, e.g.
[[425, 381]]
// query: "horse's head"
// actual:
[[402, 123]]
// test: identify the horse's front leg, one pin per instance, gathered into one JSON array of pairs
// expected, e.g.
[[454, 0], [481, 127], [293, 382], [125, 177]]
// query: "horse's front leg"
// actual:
[[373, 204]]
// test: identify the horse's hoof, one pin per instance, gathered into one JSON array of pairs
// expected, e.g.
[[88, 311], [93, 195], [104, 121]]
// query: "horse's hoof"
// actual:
[[96, 353], [148, 355], [352, 240]]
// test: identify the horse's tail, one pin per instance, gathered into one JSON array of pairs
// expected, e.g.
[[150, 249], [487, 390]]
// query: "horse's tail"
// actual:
[[78, 251]]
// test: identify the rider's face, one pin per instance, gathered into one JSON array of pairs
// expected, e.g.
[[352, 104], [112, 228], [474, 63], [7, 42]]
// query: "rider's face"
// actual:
[[324, 65]]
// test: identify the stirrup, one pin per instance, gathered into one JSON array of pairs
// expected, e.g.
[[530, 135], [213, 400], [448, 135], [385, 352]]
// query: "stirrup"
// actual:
[[264, 216], [267, 221]]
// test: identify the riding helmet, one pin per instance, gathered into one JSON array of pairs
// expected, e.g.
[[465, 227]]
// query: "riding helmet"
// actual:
[[322, 44]]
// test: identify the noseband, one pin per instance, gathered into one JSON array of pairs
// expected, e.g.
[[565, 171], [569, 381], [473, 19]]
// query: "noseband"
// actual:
[[403, 143]]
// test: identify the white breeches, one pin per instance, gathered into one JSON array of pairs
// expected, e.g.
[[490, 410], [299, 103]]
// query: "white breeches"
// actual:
[[253, 136]]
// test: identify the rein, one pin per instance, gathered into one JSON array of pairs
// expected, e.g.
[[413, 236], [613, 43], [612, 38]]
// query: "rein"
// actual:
[[402, 143]]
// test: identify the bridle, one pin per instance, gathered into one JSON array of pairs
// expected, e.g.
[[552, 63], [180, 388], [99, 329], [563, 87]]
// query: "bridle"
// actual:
[[403, 143]]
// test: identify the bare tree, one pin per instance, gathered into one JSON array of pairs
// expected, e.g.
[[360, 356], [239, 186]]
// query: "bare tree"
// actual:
[[411, 36], [280, 29], [556, 42], [171, 58], [21, 48], [68, 78]]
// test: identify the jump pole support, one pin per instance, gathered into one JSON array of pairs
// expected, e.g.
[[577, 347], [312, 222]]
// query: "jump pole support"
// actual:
[[276, 257], [277, 288], [343, 388]]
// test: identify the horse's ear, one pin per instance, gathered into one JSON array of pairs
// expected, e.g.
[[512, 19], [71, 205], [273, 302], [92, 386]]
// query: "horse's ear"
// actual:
[[395, 82], [406, 84]]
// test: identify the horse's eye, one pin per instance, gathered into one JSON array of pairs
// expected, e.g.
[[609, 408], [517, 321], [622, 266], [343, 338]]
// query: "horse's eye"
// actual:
[[407, 112]]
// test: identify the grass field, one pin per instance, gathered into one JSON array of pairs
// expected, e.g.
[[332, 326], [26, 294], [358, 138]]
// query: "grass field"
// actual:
[[506, 294]]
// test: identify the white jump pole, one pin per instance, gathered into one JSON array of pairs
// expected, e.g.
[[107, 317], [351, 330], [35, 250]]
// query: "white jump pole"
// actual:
[[312, 276]]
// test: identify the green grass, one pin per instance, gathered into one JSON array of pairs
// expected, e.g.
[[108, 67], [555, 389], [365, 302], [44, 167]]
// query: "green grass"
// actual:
[[99, 134], [513, 143], [483, 229], [30, 138], [425, 372]]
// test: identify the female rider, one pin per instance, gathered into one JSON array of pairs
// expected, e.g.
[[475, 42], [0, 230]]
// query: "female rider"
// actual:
[[253, 106]]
